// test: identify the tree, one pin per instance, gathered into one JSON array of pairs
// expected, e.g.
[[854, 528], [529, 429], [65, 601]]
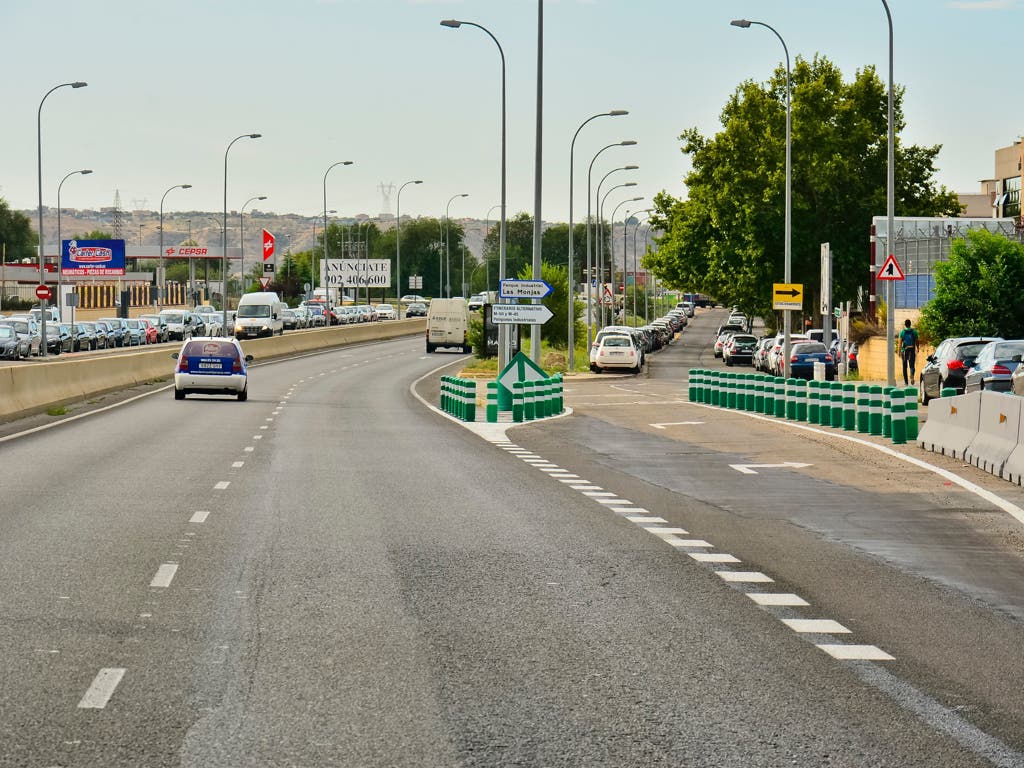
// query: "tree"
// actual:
[[96, 234], [727, 238], [556, 330], [978, 290], [17, 238]]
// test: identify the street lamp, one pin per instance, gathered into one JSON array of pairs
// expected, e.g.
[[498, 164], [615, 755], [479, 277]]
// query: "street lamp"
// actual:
[[161, 281], [398, 241], [600, 245], [600, 231], [39, 157], [612, 260], [487, 261], [224, 234], [447, 263], [572, 289], [503, 336], [327, 293], [890, 211], [60, 246], [241, 233], [786, 321], [635, 270], [590, 265]]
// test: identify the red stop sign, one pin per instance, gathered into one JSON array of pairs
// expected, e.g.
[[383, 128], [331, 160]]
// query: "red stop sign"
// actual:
[[43, 292]]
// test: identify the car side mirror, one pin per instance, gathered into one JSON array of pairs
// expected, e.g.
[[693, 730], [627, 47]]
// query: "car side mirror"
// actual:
[[930, 358], [174, 355], [1015, 359], [248, 358]]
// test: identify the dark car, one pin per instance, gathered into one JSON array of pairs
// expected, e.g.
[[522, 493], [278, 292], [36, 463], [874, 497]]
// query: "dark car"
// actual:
[[97, 334], [851, 354], [804, 355], [115, 331], [11, 347], [739, 350], [67, 338], [83, 339], [994, 366], [416, 309], [947, 366], [28, 332]]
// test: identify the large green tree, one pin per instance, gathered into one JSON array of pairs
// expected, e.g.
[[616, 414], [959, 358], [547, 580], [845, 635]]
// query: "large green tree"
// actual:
[[554, 246], [17, 238], [978, 290], [727, 238]]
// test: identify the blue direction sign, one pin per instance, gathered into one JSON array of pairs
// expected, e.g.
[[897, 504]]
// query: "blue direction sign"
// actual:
[[524, 289]]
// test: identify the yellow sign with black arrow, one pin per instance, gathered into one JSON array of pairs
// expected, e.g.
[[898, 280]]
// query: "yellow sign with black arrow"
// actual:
[[787, 296]]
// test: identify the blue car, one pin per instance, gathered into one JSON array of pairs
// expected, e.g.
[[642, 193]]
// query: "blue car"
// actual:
[[211, 366], [803, 356]]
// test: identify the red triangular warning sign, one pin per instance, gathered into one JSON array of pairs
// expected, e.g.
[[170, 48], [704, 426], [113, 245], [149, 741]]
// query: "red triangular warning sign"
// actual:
[[890, 270]]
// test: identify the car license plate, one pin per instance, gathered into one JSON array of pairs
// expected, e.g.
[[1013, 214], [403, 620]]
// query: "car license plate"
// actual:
[[210, 366]]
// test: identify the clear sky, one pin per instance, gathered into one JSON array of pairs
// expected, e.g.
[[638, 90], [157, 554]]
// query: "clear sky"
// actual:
[[381, 83]]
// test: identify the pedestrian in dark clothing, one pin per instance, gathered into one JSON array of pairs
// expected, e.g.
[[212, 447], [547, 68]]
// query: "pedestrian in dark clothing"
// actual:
[[908, 351]]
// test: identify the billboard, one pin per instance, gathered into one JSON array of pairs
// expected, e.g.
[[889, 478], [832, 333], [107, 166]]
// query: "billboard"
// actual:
[[102, 258], [345, 273]]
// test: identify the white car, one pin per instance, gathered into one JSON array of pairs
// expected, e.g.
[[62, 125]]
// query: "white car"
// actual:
[[624, 330], [617, 351], [476, 302], [211, 366], [386, 312], [774, 357]]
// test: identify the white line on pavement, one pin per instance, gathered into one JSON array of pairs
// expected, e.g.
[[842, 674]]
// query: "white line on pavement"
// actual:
[[222, 485], [102, 688], [237, 464], [164, 575], [199, 517]]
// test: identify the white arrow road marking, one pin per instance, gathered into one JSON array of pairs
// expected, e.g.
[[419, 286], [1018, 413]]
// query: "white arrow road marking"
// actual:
[[675, 424], [751, 469]]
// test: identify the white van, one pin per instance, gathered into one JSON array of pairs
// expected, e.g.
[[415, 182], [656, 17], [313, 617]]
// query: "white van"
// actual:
[[259, 314], [448, 324]]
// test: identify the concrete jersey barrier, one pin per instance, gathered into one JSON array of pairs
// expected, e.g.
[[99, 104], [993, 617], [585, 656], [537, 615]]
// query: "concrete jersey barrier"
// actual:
[[952, 424], [32, 387], [998, 432]]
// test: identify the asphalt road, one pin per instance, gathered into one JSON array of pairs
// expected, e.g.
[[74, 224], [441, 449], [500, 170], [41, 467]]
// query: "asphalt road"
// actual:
[[331, 574]]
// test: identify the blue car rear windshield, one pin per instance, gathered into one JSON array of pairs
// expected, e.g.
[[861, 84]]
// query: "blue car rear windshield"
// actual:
[[211, 348]]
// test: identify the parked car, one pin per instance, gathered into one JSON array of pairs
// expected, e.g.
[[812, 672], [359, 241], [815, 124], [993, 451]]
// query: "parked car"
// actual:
[[416, 309], [994, 366], [804, 355], [152, 335], [97, 336], [302, 318], [947, 365], [27, 332], [212, 321], [114, 329], [410, 298], [386, 312], [159, 322], [617, 351], [739, 349], [291, 322], [851, 354], [211, 366], [11, 347], [760, 357], [775, 367], [135, 332], [67, 338], [721, 340], [180, 324]]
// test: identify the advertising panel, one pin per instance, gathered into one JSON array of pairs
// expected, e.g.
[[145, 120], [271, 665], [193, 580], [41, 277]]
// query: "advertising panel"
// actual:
[[339, 273], [101, 258]]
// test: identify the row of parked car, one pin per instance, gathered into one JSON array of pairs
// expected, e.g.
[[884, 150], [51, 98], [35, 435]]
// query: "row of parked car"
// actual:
[[621, 347], [973, 363]]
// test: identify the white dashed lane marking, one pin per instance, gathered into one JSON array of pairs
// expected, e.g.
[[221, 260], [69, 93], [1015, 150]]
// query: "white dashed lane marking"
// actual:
[[102, 688], [819, 626], [855, 652], [164, 575], [776, 598], [713, 557], [199, 517], [237, 464], [745, 577], [222, 485]]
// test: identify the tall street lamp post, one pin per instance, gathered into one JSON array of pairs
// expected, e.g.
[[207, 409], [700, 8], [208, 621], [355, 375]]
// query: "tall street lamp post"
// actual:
[[60, 246], [241, 233], [636, 269], [590, 260], [39, 158], [611, 237], [487, 261], [398, 241], [327, 293], [224, 231], [504, 348], [161, 281], [786, 319], [600, 232], [600, 246], [447, 262], [572, 289]]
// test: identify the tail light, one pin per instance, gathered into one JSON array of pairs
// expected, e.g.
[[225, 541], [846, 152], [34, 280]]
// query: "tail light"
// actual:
[[853, 355], [236, 366], [183, 363], [1001, 369], [828, 358], [955, 365], [794, 359]]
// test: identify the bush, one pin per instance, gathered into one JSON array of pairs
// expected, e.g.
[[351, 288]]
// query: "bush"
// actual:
[[13, 303]]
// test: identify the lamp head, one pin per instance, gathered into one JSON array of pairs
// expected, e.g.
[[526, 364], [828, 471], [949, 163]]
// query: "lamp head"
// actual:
[[630, 167], [742, 23], [78, 84], [85, 171], [418, 181], [618, 112], [629, 184], [627, 143], [453, 23], [255, 135], [183, 186], [464, 194], [262, 197], [346, 162], [637, 198]]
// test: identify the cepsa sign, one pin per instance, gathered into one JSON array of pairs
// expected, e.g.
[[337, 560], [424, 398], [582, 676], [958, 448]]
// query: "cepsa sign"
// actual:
[[92, 257], [189, 252]]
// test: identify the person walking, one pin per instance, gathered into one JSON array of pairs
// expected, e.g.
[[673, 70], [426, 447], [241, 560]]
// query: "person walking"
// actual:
[[908, 351]]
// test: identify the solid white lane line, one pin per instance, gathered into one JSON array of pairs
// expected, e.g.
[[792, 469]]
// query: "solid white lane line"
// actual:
[[822, 626], [102, 688], [646, 519], [855, 652], [164, 575], [745, 577], [713, 557], [199, 517], [776, 598], [237, 464], [222, 485]]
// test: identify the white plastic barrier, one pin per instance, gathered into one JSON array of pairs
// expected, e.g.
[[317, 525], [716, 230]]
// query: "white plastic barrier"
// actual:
[[998, 432], [952, 424]]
